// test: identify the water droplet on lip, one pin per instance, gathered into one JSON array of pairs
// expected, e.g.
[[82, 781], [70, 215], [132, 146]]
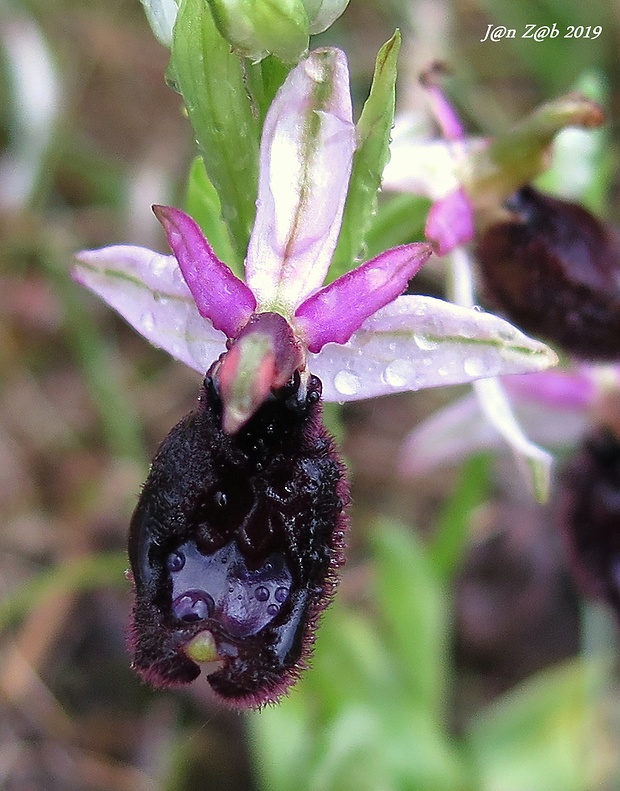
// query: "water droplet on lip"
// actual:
[[281, 594], [192, 606], [347, 382], [175, 561], [221, 499], [261, 593]]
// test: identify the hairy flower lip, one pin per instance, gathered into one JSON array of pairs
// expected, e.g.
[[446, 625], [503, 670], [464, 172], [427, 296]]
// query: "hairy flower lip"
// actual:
[[586, 512], [253, 667], [559, 276]]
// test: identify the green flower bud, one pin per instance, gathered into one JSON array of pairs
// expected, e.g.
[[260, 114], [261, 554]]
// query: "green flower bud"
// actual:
[[323, 13], [256, 28]]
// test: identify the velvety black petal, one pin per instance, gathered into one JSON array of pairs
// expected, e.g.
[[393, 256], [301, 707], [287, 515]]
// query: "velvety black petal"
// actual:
[[238, 536], [554, 270], [589, 514]]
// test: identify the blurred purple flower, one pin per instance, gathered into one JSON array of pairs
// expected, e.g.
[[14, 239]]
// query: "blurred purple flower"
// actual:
[[554, 407], [469, 180]]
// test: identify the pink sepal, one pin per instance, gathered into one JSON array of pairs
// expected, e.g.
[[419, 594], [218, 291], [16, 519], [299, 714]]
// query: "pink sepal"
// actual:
[[450, 222], [219, 295], [334, 313]]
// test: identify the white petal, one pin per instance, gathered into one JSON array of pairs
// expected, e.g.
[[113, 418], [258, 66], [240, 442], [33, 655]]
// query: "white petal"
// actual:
[[305, 163], [535, 461], [417, 342], [459, 430], [161, 15], [149, 292], [421, 165], [35, 104]]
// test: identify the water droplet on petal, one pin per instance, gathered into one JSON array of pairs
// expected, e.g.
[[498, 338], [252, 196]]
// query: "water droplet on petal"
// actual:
[[347, 382], [474, 366], [398, 373], [424, 342], [148, 321], [506, 334]]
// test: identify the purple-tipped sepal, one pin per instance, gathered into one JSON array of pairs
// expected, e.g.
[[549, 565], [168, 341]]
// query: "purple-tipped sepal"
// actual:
[[237, 539], [554, 269], [589, 513]]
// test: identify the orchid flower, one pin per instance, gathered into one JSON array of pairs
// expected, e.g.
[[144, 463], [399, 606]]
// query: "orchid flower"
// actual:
[[238, 534], [468, 180], [575, 412], [555, 407]]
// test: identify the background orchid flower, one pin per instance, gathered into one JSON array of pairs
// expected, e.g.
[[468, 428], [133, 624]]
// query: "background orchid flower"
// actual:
[[468, 184], [554, 407], [255, 29], [238, 534], [468, 179], [577, 414]]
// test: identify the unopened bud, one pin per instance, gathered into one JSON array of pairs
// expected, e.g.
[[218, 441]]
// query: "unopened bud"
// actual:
[[323, 13], [256, 28]]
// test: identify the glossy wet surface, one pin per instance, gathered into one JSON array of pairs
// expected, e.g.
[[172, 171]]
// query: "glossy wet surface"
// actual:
[[222, 587]]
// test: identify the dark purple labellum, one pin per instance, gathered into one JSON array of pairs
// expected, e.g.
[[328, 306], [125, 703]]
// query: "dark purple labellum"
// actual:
[[554, 270], [589, 513], [238, 538]]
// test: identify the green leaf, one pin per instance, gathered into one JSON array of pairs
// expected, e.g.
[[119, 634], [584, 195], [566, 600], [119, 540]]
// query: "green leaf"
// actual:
[[582, 166], [371, 156], [211, 80], [350, 664], [413, 606], [452, 530], [203, 204], [255, 28], [103, 569], [280, 739], [399, 220], [545, 735]]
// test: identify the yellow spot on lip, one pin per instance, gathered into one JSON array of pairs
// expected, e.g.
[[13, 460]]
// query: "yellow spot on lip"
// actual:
[[202, 648]]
